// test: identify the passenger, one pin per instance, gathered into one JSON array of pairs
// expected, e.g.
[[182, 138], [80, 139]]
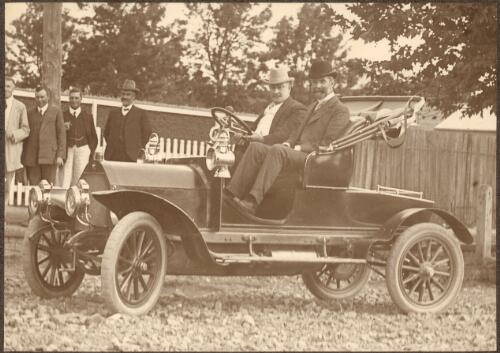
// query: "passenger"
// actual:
[[81, 138], [261, 164], [127, 129], [45, 148]]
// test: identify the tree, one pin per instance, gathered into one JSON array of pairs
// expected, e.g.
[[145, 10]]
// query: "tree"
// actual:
[[313, 37], [225, 46], [128, 41], [454, 64], [52, 50], [24, 44]]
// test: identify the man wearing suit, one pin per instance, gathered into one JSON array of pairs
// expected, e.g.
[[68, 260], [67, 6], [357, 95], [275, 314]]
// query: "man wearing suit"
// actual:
[[282, 116], [16, 130], [81, 138], [127, 129], [325, 121], [45, 148]]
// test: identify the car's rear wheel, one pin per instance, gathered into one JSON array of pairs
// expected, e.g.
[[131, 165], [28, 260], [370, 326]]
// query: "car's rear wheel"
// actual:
[[134, 264], [337, 281], [425, 269], [47, 265]]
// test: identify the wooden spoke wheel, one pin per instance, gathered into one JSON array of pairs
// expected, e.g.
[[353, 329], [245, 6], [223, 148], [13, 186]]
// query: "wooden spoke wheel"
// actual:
[[47, 265], [337, 281], [134, 264], [425, 269]]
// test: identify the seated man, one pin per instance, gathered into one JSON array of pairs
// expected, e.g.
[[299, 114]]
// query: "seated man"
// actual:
[[261, 164], [282, 116]]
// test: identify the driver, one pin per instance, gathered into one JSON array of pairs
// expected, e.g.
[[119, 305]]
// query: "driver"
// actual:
[[282, 116], [326, 119]]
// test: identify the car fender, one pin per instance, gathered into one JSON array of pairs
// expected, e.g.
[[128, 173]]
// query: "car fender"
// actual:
[[35, 224], [387, 231], [173, 219]]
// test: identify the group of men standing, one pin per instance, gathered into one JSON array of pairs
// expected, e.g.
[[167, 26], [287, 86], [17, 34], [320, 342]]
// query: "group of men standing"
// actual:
[[45, 138]]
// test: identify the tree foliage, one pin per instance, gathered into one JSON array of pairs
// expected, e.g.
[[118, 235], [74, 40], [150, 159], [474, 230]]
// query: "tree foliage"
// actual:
[[455, 63], [313, 37], [226, 47], [25, 44], [127, 41]]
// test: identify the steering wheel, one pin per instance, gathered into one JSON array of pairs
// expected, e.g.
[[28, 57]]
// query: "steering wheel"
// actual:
[[226, 119]]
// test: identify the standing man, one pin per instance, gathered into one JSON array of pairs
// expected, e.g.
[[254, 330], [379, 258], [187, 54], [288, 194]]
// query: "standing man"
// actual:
[[45, 148], [261, 164], [283, 115], [127, 129], [81, 138], [16, 130]]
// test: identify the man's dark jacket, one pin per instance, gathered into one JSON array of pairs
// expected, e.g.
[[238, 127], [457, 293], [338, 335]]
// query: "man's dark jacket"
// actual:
[[87, 123], [286, 120], [133, 134], [47, 139]]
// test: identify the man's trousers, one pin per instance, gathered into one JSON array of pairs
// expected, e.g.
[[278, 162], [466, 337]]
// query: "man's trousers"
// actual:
[[260, 166], [76, 161], [42, 171]]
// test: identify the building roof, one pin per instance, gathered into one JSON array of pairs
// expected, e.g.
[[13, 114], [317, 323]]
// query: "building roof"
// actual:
[[460, 121]]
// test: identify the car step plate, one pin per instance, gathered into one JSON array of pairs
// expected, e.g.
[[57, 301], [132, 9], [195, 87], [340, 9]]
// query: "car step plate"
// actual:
[[285, 257]]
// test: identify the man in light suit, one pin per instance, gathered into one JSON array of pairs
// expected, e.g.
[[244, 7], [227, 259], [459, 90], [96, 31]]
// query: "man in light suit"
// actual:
[[16, 130], [326, 119], [127, 129], [45, 148]]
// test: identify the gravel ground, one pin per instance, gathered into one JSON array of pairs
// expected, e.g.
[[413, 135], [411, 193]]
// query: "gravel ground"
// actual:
[[242, 313]]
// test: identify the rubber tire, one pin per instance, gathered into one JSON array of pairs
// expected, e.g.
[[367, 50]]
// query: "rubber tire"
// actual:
[[407, 239], [29, 266], [118, 236], [320, 292]]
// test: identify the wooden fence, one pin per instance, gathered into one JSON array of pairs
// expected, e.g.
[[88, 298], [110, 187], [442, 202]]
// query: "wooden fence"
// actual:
[[447, 166]]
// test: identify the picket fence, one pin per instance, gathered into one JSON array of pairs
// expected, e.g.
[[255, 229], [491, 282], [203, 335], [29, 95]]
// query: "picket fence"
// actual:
[[169, 148]]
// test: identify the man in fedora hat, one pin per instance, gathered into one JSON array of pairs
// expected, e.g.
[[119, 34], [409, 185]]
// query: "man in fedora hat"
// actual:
[[283, 115], [127, 129], [326, 119]]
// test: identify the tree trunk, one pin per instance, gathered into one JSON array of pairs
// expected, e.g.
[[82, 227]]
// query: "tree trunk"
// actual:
[[52, 50]]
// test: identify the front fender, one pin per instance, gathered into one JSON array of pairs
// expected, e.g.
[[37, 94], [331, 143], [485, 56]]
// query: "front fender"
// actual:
[[172, 218], [387, 231]]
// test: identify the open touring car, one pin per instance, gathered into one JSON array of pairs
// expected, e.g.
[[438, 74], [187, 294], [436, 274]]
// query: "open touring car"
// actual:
[[133, 223]]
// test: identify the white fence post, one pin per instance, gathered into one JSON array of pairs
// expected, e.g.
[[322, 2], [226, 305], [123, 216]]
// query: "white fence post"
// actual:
[[175, 148], [11, 191], [195, 148], [189, 148], [181, 148], [168, 148], [202, 149], [19, 198]]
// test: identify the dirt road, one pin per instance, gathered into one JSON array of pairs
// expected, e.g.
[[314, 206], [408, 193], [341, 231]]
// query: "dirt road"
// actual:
[[242, 313]]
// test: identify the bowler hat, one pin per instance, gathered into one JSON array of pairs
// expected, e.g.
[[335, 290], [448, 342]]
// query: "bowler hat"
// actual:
[[321, 69], [278, 75], [129, 85]]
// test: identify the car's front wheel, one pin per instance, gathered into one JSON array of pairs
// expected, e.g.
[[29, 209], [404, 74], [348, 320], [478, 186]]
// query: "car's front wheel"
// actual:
[[48, 266], [425, 269], [134, 264]]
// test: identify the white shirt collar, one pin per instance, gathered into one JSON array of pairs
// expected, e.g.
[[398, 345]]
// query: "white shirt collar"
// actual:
[[77, 111], [44, 108], [330, 96], [9, 100], [128, 107]]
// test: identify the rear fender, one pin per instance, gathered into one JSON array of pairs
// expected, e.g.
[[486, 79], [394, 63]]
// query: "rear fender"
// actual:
[[172, 219], [388, 230]]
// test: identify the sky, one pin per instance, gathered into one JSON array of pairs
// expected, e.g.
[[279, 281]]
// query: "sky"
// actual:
[[358, 49]]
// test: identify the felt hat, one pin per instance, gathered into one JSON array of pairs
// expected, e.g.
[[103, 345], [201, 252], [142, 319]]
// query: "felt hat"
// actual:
[[321, 69]]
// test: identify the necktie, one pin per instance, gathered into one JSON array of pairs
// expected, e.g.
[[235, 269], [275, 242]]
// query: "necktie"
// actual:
[[125, 110], [40, 111], [74, 114]]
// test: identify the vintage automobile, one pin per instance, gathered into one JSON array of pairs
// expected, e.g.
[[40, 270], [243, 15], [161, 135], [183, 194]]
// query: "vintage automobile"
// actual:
[[133, 223]]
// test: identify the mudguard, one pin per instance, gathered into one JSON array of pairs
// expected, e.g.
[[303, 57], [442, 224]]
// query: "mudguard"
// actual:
[[173, 219], [387, 231]]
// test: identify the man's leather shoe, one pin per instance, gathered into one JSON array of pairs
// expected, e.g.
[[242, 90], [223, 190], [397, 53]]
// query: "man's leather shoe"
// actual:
[[247, 205]]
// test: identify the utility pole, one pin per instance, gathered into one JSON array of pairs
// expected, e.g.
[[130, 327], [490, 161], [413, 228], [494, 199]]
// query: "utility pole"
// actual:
[[52, 50]]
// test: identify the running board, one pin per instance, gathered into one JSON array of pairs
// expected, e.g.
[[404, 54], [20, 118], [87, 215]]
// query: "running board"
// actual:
[[284, 257]]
